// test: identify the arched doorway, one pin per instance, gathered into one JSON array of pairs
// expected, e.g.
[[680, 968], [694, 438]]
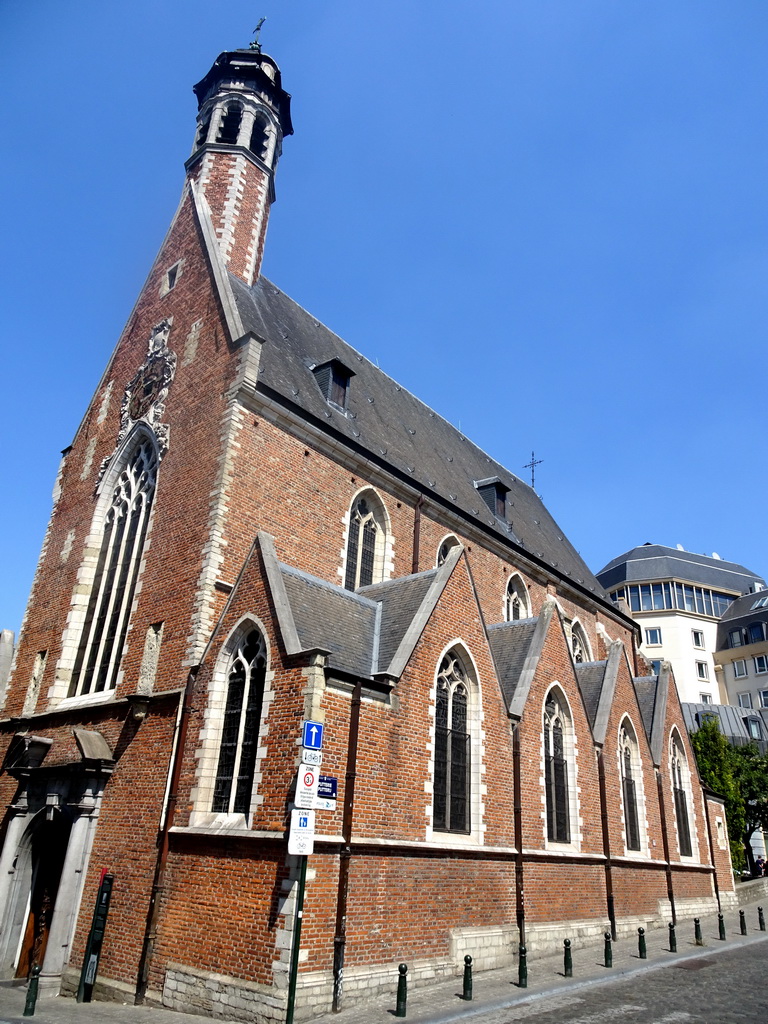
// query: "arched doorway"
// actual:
[[46, 851]]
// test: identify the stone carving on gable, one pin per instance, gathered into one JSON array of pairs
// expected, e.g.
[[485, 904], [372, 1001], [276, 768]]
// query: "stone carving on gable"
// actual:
[[145, 395]]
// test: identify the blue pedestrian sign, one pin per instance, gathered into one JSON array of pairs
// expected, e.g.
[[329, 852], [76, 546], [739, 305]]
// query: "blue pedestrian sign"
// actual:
[[313, 735]]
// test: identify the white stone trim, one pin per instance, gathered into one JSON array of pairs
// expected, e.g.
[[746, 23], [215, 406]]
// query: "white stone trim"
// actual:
[[212, 556]]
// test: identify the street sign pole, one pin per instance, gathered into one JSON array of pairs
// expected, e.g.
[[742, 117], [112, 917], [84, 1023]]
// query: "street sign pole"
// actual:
[[296, 942]]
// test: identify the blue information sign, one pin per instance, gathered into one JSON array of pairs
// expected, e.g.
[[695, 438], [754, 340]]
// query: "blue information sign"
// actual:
[[327, 787], [313, 735]]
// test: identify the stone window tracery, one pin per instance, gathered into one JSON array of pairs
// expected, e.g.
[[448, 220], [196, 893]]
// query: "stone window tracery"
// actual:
[[451, 803], [579, 644], [107, 616], [631, 784], [516, 601], [365, 542], [240, 727], [680, 790], [557, 769]]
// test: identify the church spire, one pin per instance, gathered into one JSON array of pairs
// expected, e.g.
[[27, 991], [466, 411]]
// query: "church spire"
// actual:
[[243, 115]]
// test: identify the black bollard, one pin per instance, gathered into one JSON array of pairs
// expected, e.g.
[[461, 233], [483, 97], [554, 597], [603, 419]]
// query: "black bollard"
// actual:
[[697, 932], [467, 993], [721, 926], [641, 950], [742, 922], [34, 982], [402, 990], [761, 919], [522, 968], [608, 950], [567, 959], [672, 938]]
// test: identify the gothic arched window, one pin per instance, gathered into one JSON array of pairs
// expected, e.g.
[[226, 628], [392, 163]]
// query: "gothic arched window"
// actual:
[[579, 644], [117, 569], [451, 804], [680, 784], [629, 758], [240, 728], [445, 549], [557, 727], [516, 602], [365, 544], [229, 129]]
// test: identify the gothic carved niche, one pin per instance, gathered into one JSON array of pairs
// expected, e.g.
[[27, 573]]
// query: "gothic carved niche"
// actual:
[[145, 395]]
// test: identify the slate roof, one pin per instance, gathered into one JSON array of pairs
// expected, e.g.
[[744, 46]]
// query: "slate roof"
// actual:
[[657, 562], [400, 599], [646, 688], [510, 643], [590, 676], [392, 428], [334, 620]]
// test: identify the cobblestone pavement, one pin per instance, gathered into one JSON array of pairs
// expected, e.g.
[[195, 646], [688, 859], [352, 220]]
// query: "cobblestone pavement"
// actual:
[[722, 983]]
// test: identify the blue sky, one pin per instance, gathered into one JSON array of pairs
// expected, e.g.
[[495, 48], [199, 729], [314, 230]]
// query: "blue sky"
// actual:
[[548, 219]]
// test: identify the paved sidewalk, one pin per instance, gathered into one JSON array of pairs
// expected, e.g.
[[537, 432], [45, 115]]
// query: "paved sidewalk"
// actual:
[[441, 1002]]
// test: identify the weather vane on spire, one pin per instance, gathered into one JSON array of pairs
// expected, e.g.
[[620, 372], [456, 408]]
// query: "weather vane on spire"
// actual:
[[256, 45]]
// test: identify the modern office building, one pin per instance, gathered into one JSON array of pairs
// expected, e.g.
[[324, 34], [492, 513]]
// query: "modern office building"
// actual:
[[677, 598]]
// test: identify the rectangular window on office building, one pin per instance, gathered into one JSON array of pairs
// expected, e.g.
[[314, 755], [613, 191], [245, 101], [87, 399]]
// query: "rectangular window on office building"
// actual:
[[761, 663], [702, 670], [745, 700], [739, 668], [705, 698], [698, 638], [653, 637]]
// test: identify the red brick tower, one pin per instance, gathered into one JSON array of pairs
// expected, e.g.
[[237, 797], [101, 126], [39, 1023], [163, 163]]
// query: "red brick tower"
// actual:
[[243, 114]]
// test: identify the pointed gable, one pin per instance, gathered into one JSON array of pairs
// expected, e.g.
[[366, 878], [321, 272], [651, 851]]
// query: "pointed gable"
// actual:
[[510, 645]]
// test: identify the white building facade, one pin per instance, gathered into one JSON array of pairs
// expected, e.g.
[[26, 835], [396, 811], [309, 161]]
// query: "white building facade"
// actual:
[[677, 599]]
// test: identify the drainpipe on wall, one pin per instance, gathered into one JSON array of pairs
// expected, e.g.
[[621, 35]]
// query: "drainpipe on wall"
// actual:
[[150, 935], [606, 843], [665, 843], [518, 820], [416, 533], [342, 893]]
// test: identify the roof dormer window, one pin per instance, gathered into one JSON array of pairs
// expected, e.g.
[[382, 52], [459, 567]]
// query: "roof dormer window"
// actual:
[[494, 494], [333, 380]]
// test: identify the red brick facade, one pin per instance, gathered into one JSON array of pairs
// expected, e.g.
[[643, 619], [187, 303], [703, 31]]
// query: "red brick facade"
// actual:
[[251, 529]]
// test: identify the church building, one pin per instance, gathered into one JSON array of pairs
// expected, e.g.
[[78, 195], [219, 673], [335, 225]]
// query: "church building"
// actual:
[[254, 528]]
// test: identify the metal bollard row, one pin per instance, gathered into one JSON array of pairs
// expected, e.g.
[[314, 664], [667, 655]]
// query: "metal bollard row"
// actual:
[[522, 976]]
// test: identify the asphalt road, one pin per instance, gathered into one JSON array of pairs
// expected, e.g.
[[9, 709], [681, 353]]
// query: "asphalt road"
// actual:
[[727, 988]]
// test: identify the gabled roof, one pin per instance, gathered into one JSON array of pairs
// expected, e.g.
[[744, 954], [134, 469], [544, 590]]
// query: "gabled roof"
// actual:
[[393, 429], [510, 644], [365, 633], [400, 601], [590, 675], [331, 619], [658, 562], [645, 688]]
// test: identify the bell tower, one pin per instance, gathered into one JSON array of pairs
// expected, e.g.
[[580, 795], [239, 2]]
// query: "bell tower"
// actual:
[[243, 115]]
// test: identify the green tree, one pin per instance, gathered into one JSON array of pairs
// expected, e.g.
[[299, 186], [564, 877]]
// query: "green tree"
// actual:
[[716, 759], [750, 770]]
